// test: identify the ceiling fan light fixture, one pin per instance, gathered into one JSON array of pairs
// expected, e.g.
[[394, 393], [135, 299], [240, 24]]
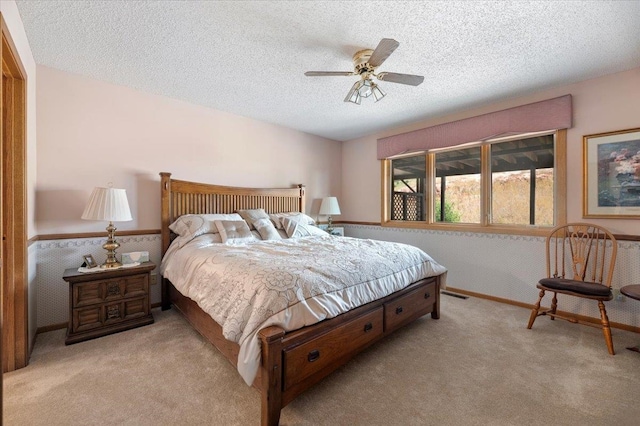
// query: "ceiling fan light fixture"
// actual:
[[355, 98], [377, 92], [365, 88]]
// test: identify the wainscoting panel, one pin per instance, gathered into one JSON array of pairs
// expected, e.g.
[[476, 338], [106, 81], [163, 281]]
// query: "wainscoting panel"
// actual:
[[509, 266], [504, 266], [54, 256]]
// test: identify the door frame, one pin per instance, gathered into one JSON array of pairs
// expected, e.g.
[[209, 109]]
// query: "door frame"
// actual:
[[13, 216]]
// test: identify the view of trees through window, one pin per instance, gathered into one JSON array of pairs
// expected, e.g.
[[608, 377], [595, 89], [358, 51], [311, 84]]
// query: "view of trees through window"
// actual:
[[522, 184]]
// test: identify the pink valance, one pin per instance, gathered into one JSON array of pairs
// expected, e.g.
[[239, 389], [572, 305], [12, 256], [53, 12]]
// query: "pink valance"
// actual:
[[551, 114]]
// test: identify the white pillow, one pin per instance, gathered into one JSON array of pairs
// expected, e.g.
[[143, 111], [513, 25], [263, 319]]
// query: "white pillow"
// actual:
[[189, 226], [296, 229], [299, 217], [266, 229], [234, 231], [251, 215]]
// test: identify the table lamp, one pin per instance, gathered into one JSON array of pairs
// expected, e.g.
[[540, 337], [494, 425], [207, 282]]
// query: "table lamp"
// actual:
[[108, 204], [329, 207]]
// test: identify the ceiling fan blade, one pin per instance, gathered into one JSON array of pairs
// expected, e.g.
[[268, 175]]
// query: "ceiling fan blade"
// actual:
[[328, 73], [394, 77], [382, 52], [353, 90]]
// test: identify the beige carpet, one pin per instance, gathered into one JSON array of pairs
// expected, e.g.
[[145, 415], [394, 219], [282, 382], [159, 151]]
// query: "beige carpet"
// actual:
[[477, 365]]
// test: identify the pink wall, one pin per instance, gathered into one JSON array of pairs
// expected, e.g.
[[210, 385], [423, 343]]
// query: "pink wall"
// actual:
[[599, 105], [92, 133]]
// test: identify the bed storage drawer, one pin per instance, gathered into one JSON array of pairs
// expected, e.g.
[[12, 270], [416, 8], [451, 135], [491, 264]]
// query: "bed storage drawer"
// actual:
[[407, 308], [317, 354]]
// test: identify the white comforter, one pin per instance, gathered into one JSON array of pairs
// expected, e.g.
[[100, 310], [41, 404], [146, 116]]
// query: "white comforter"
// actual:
[[289, 283]]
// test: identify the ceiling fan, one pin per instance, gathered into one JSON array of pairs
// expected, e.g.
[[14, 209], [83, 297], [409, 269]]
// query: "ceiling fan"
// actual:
[[365, 63]]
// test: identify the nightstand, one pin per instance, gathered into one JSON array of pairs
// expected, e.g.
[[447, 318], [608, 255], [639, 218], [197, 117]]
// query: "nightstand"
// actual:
[[337, 230], [107, 302]]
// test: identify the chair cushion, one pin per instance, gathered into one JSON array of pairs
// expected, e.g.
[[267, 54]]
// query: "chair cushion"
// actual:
[[580, 287]]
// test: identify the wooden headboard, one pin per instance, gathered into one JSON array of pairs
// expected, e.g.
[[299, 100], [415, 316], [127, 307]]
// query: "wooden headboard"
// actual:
[[180, 197]]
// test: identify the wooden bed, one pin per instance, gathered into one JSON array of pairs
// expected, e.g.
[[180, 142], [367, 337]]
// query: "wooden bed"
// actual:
[[291, 361]]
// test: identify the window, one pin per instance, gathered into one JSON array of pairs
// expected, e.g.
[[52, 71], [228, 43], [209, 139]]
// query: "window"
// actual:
[[457, 191], [502, 184], [408, 193]]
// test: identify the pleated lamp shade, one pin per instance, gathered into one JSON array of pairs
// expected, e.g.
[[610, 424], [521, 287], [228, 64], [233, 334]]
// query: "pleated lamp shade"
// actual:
[[108, 204], [329, 206]]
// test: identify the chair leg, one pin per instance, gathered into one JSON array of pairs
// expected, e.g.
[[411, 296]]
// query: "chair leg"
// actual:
[[554, 305], [606, 329], [535, 310]]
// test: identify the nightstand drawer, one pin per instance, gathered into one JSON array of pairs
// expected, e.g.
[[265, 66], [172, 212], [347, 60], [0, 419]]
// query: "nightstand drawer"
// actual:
[[92, 293], [109, 313], [136, 285], [126, 310], [87, 318], [88, 294]]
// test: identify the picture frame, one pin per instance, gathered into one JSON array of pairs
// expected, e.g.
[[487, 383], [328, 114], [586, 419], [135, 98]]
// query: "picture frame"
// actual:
[[611, 173], [89, 261]]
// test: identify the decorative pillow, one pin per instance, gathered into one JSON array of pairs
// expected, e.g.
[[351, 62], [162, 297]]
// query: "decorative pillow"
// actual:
[[296, 229], [300, 217], [189, 226], [234, 230], [266, 229], [252, 215]]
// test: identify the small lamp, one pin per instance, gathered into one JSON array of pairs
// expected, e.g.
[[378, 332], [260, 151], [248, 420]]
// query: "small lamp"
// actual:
[[108, 204], [329, 207]]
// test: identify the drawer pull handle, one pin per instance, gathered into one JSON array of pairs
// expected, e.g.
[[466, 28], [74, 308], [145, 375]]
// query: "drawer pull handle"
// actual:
[[427, 295], [399, 310], [313, 355], [368, 327], [113, 289]]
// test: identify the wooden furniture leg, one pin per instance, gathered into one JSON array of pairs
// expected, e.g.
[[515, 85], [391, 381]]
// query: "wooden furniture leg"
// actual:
[[632, 291], [271, 375], [435, 313], [554, 305], [606, 329], [535, 310]]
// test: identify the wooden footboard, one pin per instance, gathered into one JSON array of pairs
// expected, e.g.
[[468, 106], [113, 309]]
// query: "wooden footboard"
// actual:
[[293, 362]]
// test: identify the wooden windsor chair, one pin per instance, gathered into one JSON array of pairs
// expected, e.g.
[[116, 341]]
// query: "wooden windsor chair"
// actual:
[[580, 262]]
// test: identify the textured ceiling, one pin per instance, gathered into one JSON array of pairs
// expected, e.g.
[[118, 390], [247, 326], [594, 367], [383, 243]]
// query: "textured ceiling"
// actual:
[[249, 58]]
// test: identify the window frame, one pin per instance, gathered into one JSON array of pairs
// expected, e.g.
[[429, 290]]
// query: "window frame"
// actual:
[[485, 226]]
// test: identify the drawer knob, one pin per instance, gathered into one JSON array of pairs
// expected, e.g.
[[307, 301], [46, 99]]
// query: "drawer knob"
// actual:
[[368, 327], [313, 355], [399, 310], [427, 295]]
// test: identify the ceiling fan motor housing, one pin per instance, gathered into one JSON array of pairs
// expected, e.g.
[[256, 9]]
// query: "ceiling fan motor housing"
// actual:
[[361, 62]]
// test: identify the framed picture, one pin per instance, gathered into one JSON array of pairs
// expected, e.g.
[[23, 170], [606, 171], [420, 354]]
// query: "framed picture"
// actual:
[[90, 261], [611, 173]]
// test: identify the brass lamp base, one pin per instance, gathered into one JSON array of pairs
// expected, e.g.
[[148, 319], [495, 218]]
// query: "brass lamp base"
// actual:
[[329, 226], [110, 246]]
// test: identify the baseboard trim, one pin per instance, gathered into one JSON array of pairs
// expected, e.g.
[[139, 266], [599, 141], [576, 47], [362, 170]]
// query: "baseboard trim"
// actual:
[[583, 318], [51, 327]]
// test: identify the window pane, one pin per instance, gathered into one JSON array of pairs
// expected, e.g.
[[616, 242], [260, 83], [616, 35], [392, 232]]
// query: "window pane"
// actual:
[[457, 192], [408, 183], [522, 181]]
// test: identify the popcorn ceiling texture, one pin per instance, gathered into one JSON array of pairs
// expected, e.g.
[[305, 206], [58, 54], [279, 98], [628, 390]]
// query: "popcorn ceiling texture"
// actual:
[[249, 58]]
